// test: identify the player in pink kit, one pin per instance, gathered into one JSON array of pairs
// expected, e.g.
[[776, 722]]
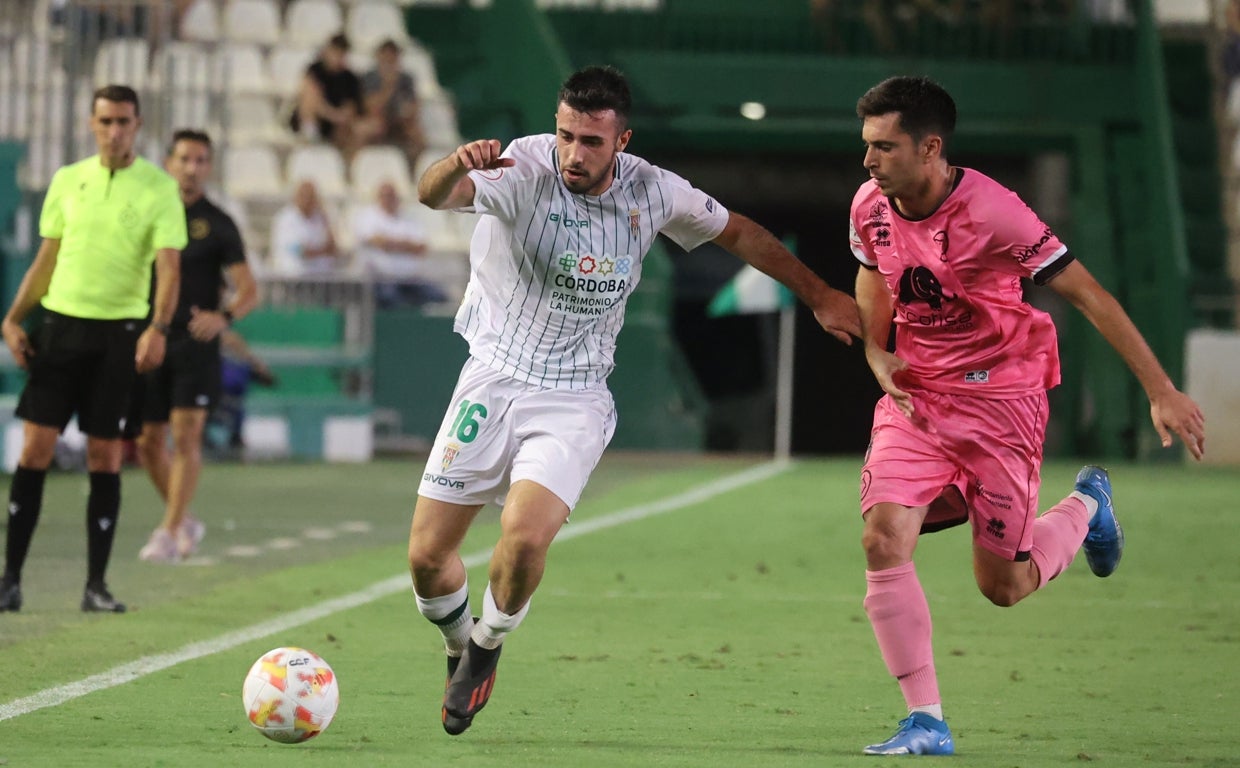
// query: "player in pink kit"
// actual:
[[958, 435]]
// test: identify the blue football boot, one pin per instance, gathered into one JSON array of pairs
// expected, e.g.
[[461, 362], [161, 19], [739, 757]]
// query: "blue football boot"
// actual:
[[919, 734], [1104, 544]]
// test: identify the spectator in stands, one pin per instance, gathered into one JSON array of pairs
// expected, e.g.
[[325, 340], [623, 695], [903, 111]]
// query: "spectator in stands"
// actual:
[[329, 100], [392, 102], [301, 235], [391, 246], [1231, 42]]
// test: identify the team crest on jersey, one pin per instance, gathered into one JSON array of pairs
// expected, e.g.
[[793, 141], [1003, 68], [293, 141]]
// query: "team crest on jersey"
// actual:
[[199, 228], [449, 455], [635, 222]]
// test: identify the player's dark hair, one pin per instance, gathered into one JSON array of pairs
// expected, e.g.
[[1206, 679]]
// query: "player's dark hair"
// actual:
[[925, 107], [190, 134], [118, 94], [597, 89]]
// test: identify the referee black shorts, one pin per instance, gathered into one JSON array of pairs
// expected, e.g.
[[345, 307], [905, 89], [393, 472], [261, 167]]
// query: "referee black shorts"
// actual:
[[84, 367]]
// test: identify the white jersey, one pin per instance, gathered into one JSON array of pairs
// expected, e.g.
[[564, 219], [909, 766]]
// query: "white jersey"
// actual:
[[551, 271]]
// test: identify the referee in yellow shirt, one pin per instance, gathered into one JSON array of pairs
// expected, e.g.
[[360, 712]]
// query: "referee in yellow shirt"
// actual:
[[104, 220]]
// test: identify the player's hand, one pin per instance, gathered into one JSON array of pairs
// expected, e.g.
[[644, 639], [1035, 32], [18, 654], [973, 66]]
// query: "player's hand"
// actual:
[[886, 368], [150, 352], [838, 316], [205, 325], [19, 343], [482, 155], [1176, 412]]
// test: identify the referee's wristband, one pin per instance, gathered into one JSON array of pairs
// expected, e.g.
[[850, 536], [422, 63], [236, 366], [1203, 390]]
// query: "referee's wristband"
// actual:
[[228, 316], [162, 328]]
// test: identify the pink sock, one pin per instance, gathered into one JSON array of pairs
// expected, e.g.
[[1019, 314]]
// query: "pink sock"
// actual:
[[896, 605], [1057, 535]]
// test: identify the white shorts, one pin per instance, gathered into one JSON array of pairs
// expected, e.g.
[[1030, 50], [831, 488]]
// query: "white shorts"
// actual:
[[499, 430]]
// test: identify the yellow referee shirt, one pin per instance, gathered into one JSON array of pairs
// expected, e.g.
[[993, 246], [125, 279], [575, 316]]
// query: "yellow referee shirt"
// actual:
[[109, 223]]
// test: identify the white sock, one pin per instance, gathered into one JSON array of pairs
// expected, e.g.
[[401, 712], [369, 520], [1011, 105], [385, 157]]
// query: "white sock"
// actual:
[[451, 614], [495, 624], [1090, 502], [934, 710]]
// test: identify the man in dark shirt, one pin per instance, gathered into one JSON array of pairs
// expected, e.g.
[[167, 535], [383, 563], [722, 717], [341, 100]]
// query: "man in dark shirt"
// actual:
[[178, 395], [329, 100]]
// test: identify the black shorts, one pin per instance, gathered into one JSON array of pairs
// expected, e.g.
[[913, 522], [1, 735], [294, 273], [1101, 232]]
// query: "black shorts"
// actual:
[[84, 367], [189, 378]]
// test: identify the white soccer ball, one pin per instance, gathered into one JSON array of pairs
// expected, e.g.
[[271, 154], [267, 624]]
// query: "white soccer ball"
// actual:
[[290, 695]]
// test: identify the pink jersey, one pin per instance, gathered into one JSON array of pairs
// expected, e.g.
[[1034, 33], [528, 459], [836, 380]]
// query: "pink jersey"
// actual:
[[962, 323]]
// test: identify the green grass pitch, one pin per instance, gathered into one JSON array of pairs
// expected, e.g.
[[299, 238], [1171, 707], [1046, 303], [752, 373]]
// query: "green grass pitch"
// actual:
[[722, 632]]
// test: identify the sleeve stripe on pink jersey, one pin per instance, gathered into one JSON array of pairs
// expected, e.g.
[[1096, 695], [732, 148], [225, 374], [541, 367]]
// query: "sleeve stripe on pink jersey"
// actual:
[[1051, 259], [859, 252]]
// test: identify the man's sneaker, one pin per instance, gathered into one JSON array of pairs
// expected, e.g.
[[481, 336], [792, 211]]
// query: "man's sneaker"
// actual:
[[1104, 544], [97, 599], [189, 535], [470, 687], [918, 734], [160, 548], [10, 596]]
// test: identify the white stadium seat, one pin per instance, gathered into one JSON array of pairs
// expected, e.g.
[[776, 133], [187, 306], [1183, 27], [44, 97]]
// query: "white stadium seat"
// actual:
[[252, 173], [322, 164], [253, 119], [374, 165], [252, 21], [308, 23], [240, 68], [373, 21], [124, 60], [201, 22], [182, 66]]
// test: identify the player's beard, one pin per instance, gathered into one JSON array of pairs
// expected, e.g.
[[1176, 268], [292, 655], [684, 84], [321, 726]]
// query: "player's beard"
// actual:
[[580, 184]]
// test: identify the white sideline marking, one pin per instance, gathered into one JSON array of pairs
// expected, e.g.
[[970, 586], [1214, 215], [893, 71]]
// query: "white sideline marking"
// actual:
[[147, 665]]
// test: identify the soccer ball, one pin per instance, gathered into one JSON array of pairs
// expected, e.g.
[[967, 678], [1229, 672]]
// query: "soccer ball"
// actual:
[[290, 695]]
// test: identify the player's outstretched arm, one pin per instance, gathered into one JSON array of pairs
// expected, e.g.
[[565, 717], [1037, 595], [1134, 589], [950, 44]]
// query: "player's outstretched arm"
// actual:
[[31, 291], [834, 310], [1170, 409], [446, 184]]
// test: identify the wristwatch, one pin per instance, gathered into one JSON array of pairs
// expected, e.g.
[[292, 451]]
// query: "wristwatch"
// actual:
[[162, 328], [228, 316]]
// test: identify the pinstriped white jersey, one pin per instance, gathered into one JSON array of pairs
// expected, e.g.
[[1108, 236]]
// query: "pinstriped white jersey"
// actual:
[[551, 271]]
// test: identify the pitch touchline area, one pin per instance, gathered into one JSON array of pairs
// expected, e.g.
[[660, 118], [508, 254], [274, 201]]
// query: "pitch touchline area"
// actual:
[[147, 665]]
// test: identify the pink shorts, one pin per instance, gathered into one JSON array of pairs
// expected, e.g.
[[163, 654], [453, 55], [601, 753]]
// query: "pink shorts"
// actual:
[[984, 453]]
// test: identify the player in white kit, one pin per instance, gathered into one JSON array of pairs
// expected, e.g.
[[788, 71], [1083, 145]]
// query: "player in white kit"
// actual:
[[567, 219]]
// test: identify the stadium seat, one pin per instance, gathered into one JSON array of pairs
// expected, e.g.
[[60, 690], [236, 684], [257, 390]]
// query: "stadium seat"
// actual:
[[287, 66], [322, 164], [252, 21], [188, 108], [240, 68], [252, 119], [201, 22], [373, 165], [181, 66], [253, 173], [123, 60], [439, 124], [308, 23], [373, 21], [419, 63]]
